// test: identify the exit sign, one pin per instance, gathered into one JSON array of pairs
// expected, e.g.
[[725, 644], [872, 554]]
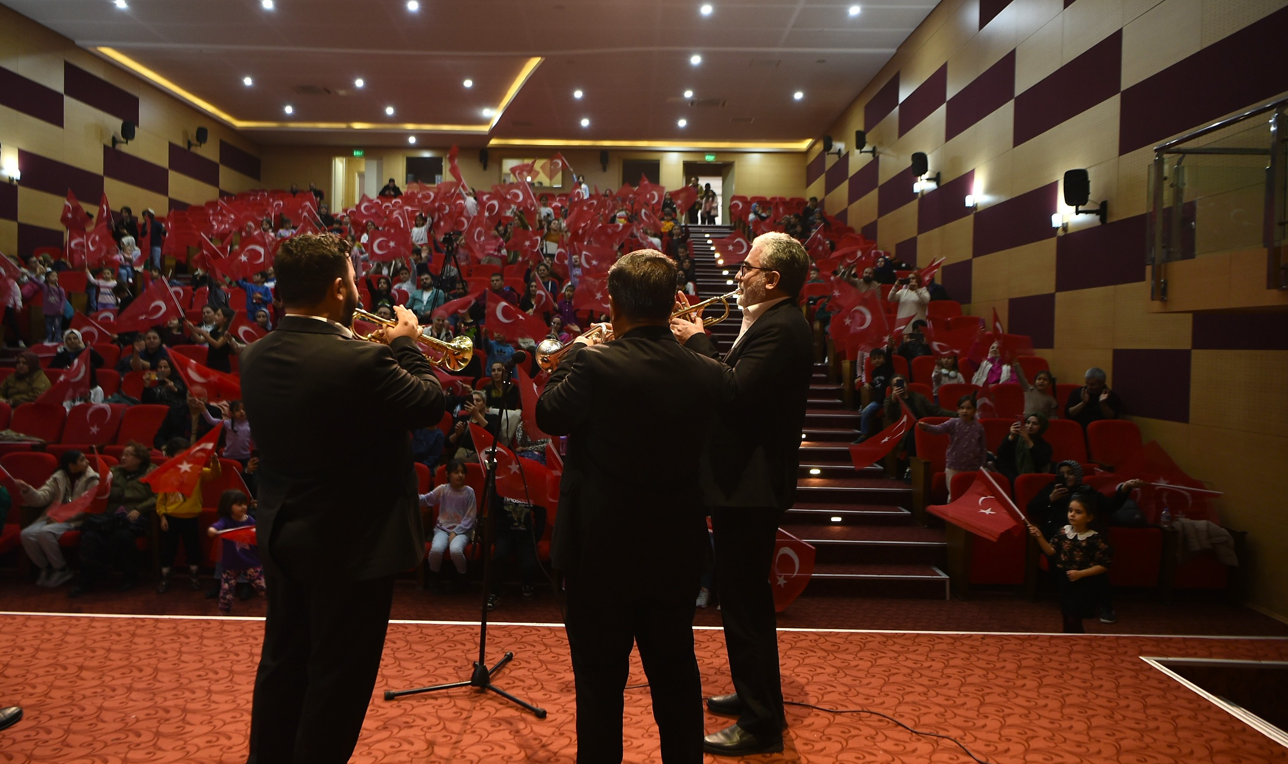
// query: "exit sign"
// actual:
[[359, 152], [711, 157]]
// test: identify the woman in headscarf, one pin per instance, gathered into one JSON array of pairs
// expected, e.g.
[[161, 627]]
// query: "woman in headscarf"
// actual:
[[1049, 509], [27, 382], [1024, 452], [66, 356]]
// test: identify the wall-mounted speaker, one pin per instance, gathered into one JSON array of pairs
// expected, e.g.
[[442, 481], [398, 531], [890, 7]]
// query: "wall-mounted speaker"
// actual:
[[127, 134], [920, 164], [603, 160], [860, 140], [827, 144], [202, 136], [1077, 187], [483, 156]]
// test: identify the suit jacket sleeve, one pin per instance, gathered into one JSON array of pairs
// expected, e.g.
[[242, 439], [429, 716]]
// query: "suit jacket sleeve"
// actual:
[[565, 402], [700, 343], [403, 386], [752, 378]]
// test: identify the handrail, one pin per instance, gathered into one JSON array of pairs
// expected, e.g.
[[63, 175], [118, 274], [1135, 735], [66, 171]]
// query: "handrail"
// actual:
[[1202, 131]]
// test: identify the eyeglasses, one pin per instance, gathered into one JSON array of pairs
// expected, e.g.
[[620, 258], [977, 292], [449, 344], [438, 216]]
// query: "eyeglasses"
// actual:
[[744, 267]]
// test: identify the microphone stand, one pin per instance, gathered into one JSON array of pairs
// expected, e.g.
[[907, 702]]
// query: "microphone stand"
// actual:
[[481, 675]]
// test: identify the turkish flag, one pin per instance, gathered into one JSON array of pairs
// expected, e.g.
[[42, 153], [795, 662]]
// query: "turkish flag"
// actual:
[[793, 568], [512, 323], [684, 199], [595, 259], [732, 249], [517, 478], [73, 385], [74, 216], [875, 448], [957, 341], [245, 330], [243, 535], [254, 254], [525, 243], [459, 305], [220, 385], [154, 307], [182, 473], [389, 244], [861, 324], [525, 172], [452, 385], [592, 294], [930, 271], [528, 395], [91, 331], [100, 247], [1170, 487], [739, 209], [85, 502], [649, 195], [454, 169], [997, 324], [983, 510]]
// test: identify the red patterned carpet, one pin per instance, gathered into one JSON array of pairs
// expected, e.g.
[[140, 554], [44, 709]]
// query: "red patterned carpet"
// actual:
[[148, 689]]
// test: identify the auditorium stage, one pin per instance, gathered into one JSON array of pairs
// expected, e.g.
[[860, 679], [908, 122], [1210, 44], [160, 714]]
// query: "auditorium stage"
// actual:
[[178, 689]]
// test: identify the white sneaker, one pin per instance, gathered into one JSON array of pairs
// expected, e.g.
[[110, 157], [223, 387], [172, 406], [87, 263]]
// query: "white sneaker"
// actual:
[[45, 573], [704, 597], [60, 577]]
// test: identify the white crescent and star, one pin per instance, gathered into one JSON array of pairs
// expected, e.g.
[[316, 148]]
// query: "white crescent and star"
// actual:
[[796, 560]]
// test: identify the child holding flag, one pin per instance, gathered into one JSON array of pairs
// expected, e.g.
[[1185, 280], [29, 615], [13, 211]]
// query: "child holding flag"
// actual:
[[1080, 556], [180, 509], [967, 449], [240, 557], [73, 479]]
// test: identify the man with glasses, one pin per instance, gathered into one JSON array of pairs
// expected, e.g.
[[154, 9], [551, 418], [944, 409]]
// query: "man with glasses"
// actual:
[[749, 479]]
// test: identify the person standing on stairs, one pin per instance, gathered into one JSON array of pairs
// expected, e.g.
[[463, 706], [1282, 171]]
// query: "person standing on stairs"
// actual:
[[749, 472]]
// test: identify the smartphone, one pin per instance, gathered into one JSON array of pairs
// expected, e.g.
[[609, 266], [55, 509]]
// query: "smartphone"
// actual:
[[254, 453]]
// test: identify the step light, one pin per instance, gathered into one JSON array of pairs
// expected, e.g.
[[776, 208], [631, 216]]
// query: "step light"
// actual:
[[816, 471], [836, 519]]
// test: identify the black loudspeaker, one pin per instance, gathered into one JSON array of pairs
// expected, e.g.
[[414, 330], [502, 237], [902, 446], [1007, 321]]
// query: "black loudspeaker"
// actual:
[[827, 143], [920, 164], [203, 135], [483, 158], [603, 160], [860, 140], [1077, 188], [127, 131]]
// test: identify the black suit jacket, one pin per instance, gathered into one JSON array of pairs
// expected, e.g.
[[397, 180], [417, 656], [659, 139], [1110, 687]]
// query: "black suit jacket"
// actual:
[[332, 419], [753, 453], [636, 411]]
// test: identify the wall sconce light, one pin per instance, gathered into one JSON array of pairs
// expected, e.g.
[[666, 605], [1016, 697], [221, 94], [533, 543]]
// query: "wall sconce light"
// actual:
[[1077, 192], [920, 170], [10, 170], [971, 202], [1058, 221]]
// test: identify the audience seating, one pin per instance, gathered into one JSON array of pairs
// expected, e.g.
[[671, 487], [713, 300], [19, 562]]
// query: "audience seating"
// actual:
[[182, 295], [1031, 365], [132, 385], [75, 282], [976, 560], [110, 354], [1062, 393], [995, 431], [39, 420], [197, 353], [928, 485], [199, 299], [89, 425], [944, 308], [140, 423], [1067, 441], [957, 322], [6, 413], [923, 389], [923, 369], [1114, 442], [900, 366], [1009, 400], [446, 423], [109, 380], [951, 392]]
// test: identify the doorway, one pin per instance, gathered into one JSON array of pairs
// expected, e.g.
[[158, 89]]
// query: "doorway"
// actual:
[[427, 170], [713, 174]]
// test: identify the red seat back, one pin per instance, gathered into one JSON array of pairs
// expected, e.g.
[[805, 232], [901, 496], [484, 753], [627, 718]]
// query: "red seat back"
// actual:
[[92, 424], [900, 366], [199, 297], [31, 467], [1028, 486], [424, 478], [957, 322], [923, 369], [198, 353], [39, 420], [1067, 441], [110, 353], [995, 431], [950, 392], [73, 281], [1009, 400], [132, 384], [230, 479], [931, 447], [998, 562], [1113, 442], [1032, 364], [944, 308], [6, 413], [446, 423], [109, 380], [236, 299], [1062, 393], [924, 389], [141, 423]]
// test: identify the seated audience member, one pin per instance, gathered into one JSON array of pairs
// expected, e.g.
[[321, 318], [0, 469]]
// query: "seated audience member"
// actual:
[[498, 288], [325, 216], [946, 373], [500, 392], [219, 341], [217, 295], [148, 349], [237, 559], [239, 443], [1039, 397], [531, 299], [497, 349], [1080, 556], [882, 374], [967, 448], [55, 297], [460, 444], [27, 382], [109, 540], [385, 310], [1024, 452], [912, 299], [263, 321], [518, 526], [886, 269], [914, 343], [71, 349], [391, 189], [427, 445], [440, 329], [1093, 401], [104, 288], [936, 290], [73, 479], [457, 512], [258, 295], [557, 331], [548, 278], [180, 517], [187, 422], [992, 371], [173, 333], [207, 324], [567, 311], [866, 283], [426, 299], [1050, 507], [900, 395], [164, 386], [682, 284], [382, 290]]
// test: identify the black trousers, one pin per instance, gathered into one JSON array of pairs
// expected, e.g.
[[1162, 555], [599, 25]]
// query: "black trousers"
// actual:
[[187, 530], [107, 544], [519, 544], [322, 646], [1081, 599], [744, 538], [603, 622]]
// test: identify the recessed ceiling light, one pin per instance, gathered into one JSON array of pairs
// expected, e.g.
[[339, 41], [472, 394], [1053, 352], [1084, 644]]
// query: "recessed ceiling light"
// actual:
[[705, 10], [695, 59], [854, 10], [488, 112], [585, 122], [411, 139], [121, 4], [289, 109], [268, 4], [468, 83], [688, 94], [247, 81], [358, 83], [389, 111], [577, 94], [683, 122], [412, 5], [798, 95]]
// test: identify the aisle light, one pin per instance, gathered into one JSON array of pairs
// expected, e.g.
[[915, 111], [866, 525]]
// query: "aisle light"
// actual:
[[413, 5], [688, 94], [695, 59], [836, 519], [468, 83], [247, 81], [585, 122], [855, 10], [683, 123], [289, 109], [359, 83], [411, 139], [815, 471], [577, 94], [389, 111]]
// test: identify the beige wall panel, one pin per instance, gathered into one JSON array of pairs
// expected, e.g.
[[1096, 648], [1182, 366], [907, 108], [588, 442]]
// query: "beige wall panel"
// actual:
[[994, 180], [770, 174], [883, 136], [1087, 22], [1174, 437], [945, 12], [863, 211], [927, 136], [9, 236], [951, 242], [1084, 319], [837, 199], [45, 210], [231, 180], [1134, 8], [1032, 269], [19, 131], [983, 50], [1166, 34], [816, 189], [897, 226], [1032, 15], [37, 51], [1136, 327], [1038, 56], [963, 66], [985, 309], [1070, 365], [981, 142], [989, 275], [86, 131], [1220, 282], [1245, 390], [125, 195], [957, 29], [1221, 18], [1086, 140], [1132, 195], [190, 190]]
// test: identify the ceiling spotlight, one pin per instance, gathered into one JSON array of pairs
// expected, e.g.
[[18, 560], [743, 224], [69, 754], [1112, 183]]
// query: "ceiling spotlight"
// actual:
[[585, 122], [268, 4], [289, 109], [358, 83], [121, 4], [411, 139], [247, 81], [854, 10], [695, 59], [688, 94], [683, 122], [706, 9], [468, 83], [798, 95], [389, 111], [488, 112], [413, 6], [577, 94]]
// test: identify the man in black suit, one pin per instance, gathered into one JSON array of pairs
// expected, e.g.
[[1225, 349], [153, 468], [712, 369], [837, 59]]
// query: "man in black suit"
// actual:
[[749, 480], [338, 514], [630, 531]]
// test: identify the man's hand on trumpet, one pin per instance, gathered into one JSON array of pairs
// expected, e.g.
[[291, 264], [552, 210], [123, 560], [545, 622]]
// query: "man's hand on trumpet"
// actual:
[[408, 326], [685, 327]]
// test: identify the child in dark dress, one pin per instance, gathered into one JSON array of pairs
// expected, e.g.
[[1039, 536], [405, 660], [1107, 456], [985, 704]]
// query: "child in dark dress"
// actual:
[[1080, 557]]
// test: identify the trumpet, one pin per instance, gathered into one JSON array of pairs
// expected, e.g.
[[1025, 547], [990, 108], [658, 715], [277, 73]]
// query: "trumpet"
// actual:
[[698, 307], [550, 352], [452, 355]]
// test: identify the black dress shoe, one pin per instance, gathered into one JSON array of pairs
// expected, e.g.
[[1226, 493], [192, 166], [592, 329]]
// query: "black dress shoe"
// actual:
[[10, 716], [725, 705], [736, 741]]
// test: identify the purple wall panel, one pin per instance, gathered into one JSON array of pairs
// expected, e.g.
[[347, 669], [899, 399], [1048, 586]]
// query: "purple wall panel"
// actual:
[[923, 101], [193, 165], [895, 193], [884, 102], [30, 237], [30, 98], [54, 177], [1230, 75], [843, 215], [906, 251], [1072, 89], [1154, 383], [1034, 316], [945, 204], [815, 169], [1019, 220], [175, 204], [99, 93], [837, 173], [128, 168], [869, 231], [984, 95], [864, 181], [988, 10], [956, 279], [8, 201], [235, 159], [1101, 255], [1240, 331]]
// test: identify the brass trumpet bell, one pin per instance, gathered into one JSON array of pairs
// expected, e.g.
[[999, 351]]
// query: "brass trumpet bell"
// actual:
[[453, 355]]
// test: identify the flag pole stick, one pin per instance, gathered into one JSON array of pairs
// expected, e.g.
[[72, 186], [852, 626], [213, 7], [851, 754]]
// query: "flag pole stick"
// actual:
[[1005, 498]]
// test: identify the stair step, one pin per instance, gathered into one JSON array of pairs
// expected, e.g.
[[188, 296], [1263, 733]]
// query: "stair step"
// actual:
[[831, 434], [870, 514], [825, 452], [853, 491], [819, 377], [866, 543], [824, 387], [835, 470], [823, 403], [924, 581]]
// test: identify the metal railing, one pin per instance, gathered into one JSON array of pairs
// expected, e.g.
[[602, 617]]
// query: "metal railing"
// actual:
[[1222, 188]]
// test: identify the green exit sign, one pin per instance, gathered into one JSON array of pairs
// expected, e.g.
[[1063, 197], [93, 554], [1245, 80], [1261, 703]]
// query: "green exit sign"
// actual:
[[711, 157], [359, 152]]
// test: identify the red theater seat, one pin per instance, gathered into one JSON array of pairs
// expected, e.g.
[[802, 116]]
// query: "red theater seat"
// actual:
[[1067, 441], [6, 413], [1031, 365], [89, 425], [110, 353], [141, 423], [109, 380], [928, 486], [39, 420], [1114, 442], [197, 353], [1009, 400], [998, 562], [951, 392], [944, 308], [923, 369], [995, 431]]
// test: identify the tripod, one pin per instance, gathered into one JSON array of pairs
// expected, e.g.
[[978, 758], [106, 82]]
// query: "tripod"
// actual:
[[481, 676]]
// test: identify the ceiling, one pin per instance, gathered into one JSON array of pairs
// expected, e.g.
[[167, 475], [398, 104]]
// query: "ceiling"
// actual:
[[629, 57]]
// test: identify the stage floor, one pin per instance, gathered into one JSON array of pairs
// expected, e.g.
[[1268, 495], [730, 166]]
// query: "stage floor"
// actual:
[[178, 689]]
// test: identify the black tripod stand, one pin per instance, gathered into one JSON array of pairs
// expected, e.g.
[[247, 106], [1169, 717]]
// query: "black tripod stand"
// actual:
[[481, 677]]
